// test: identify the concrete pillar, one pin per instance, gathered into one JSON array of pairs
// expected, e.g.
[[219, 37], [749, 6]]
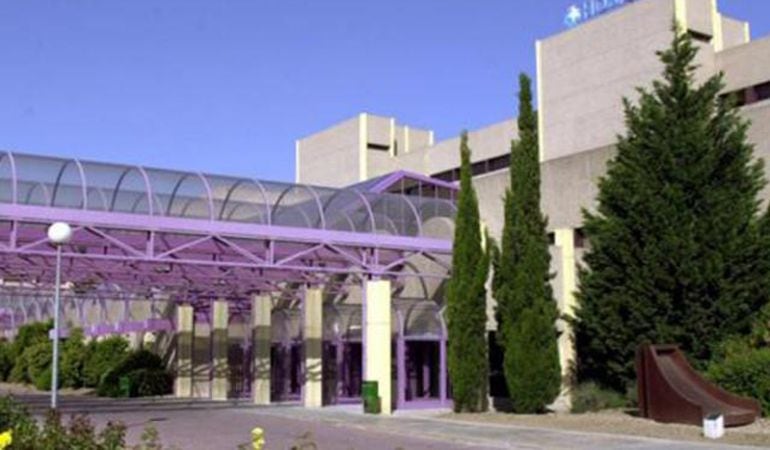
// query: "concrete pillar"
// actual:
[[566, 285], [261, 308], [312, 333], [377, 331], [219, 343], [184, 351]]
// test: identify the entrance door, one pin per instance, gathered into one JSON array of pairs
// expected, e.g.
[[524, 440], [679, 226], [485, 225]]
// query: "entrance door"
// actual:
[[422, 369]]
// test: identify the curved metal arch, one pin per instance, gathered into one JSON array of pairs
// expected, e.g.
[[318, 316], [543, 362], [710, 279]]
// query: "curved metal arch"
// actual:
[[100, 194], [187, 205], [417, 217], [119, 183], [332, 307], [59, 176], [436, 313], [418, 220], [43, 188], [410, 265], [14, 175], [388, 220], [209, 192], [430, 202], [312, 192], [148, 188], [84, 186], [365, 202], [233, 188], [401, 322], [234, 210]]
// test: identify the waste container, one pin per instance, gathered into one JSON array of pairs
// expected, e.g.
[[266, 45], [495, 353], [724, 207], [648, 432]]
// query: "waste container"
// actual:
[[124, 383], [371, 397]]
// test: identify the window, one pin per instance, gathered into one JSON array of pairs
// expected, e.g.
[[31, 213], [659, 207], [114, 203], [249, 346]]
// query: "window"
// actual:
[[749, 95], [700, 37], [380, 147], [477, 168]]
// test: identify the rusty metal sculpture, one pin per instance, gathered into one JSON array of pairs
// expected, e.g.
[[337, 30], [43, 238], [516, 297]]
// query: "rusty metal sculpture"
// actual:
[[670, 390]]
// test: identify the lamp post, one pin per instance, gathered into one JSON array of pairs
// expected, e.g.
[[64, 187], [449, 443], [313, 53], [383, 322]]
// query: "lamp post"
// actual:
[[59, 234]]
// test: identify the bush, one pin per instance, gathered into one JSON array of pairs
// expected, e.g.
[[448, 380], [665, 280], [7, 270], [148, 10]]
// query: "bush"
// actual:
[[590, 397], [109, 386], [30, 336], [34, 360], [150, 382], [6, 360], [745, 373], [53, 434], [73, 358], [101, 356]]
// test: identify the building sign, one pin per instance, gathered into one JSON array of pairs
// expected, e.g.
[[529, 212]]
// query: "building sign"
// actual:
[[587, 10]]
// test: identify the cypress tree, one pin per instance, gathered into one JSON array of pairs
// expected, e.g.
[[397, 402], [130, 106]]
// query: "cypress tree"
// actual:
[[678, 253], [466, 299], [526, 309]]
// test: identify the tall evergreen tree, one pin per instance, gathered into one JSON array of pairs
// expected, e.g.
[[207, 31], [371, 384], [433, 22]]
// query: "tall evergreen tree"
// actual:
[[466, 299], [678, 254], [526, 308]]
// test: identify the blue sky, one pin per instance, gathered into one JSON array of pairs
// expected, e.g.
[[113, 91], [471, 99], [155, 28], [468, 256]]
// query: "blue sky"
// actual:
[[227, 86]]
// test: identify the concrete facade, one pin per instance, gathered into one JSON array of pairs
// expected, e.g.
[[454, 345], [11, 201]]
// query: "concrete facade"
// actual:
[[582, 75]]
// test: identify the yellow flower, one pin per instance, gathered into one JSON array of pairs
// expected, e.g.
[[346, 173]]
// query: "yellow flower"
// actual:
[[257, 438], [6, 439]]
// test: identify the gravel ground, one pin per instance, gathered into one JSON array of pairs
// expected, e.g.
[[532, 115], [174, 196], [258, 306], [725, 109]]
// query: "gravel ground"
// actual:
[[624, 423]]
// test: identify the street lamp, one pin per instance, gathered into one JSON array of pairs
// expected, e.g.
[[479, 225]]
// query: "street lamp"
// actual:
[[59, 234]]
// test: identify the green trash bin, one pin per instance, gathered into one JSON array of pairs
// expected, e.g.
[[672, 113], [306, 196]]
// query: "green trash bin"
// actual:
[[124, 383], [371, 397]]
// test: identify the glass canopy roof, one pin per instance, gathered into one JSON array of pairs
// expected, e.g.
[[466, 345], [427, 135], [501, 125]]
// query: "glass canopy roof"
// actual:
[[69, 183]]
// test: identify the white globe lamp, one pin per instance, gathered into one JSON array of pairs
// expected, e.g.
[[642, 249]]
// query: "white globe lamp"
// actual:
[[59, 233]]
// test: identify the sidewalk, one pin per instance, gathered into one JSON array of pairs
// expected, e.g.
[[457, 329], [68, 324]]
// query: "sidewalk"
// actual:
[[427, 424]]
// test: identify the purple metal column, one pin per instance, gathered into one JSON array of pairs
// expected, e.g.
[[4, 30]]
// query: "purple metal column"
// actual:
[[363, 330], [425, 373], [339, 355], [442, 375], [400, 370]]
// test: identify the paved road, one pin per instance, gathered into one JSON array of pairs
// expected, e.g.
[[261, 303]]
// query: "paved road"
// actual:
[[214, 425]]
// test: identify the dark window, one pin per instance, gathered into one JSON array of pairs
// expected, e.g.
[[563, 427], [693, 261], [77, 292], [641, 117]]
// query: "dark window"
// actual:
[[499, 163], [580, 238], [477, 168], [380, 147], [749, 95], [762, 91], [698, 36], [551, 238]]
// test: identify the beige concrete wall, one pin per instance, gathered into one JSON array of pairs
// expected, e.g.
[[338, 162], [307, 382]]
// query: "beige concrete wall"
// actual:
[[586, 71], [759, 135], [330, 157], [485, 143], [745, 65], [734, 32]]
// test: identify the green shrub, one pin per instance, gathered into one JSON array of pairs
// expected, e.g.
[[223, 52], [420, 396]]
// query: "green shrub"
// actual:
[[73, 358], [109, 386], [745, 373], [590, 397], [150, 382], [6, 360], [78, 434], [29, 335], [32, 362], [101, 356]]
